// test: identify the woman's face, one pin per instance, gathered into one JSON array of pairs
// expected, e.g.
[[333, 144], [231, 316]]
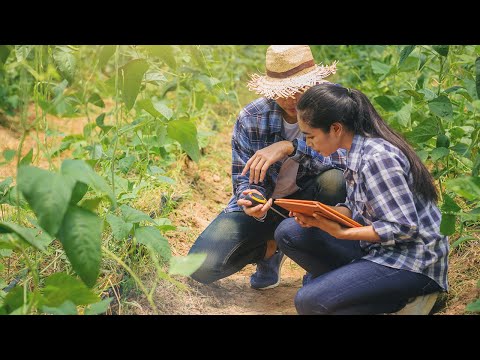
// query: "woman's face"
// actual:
[[320, 141], [289, 104]]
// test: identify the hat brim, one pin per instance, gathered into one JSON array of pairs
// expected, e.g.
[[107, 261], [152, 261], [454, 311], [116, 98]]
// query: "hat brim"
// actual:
[[274, 88]]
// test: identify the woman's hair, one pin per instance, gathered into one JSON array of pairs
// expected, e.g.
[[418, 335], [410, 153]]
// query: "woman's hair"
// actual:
[[324, 104]]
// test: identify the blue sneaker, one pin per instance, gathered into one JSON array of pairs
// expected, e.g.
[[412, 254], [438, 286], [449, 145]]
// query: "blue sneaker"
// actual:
[[267, 275]]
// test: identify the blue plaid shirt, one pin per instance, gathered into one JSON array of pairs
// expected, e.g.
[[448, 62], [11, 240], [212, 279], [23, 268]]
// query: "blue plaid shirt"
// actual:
[[379, 193], [259, 125]]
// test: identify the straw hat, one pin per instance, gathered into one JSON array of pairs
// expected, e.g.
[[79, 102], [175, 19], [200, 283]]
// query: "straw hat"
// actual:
[[290, 68]]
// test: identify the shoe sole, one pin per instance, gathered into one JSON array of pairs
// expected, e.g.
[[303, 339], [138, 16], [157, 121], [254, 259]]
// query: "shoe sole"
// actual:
[[420, 306], [279, 276]]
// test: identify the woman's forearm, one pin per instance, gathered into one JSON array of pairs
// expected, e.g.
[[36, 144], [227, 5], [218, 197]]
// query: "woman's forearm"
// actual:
[[365, 233]]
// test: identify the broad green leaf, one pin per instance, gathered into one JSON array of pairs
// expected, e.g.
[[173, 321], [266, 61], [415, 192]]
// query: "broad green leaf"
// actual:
[[78, 192], [390, 103], [426, 130], [99, 307], [449, 205], [462, 240], [105, 54], [441, 49], [415, 94], [5, 185], [423, 155], [155, 77], [35, 237], [15, 299], [474, 306], [4, 52], [186, 265], [163, 52], [9, 155], [198, 57], [48, 195], [477, 76], [403, 116], [447, 226], [130, 77], [27, 159], [475, 169], [439, 153], [22, 52], [411, 64], [380, 68], [120, 228], [405, 52], [441, 106], [81, 237], [429, 94], [185, 132], [163, 109], [146, 104], [132, 215], [460, 148], [96, 100], [150, 236], [468, 187], [81, 171], [65, 62], [60, 287], [100, 123], [126, 163], [92, 203], [67, 308]]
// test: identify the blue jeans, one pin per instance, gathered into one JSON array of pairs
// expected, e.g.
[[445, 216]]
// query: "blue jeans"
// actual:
[[234, 240], [341, 282]]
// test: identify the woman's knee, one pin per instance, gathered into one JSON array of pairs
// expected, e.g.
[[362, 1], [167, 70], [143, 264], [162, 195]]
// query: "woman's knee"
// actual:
[[309, 302]]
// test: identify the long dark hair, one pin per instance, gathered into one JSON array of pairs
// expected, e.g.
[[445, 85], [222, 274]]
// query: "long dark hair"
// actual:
[[324, 104]]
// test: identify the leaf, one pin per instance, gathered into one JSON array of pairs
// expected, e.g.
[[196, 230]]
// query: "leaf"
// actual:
[[47, 193], [477, 76], [439, 153], [130, 78], [65, 62], [474, 306], [100, 123], [163, 109], [27, 159], [155, 77], [449, 205], [462, 240], [185, 132], [81, 171], [22, 52], [96, 100], [415, 94], [390, 103], [468, 187], [132, 215], [78, 192], [126, 163], [405, 52], [441, 49], [105, 54], [81, 237], [120, 228], [186, 265], [429, 94], [403, 116], [4, 52], [475, 169], [5, 185], [15, 299], [146, 104], [91, 204], [99, 307], [423, 155], [35, 237], [447, 226], [380, 68], [163, 52], [441, 106], [67, 308], [60, 287], [198, 57], [9, 155], [461, 149], [150, 236], [426, 130]]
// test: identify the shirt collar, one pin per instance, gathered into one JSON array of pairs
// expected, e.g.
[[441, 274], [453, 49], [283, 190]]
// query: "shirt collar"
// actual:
[[354, 155], [276, 119]]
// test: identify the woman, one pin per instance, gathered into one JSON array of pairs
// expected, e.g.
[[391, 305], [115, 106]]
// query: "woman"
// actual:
[[399, 253]]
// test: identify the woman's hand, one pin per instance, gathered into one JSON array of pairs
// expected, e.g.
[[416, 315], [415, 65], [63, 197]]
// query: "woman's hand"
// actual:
[[257, 211], [262, 159], [329, 226]]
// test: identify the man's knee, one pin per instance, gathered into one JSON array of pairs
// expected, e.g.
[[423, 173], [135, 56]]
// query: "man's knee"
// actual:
[[283, 234], [332, 188]]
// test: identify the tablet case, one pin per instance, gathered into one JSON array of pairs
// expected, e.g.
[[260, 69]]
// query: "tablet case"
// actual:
[[308, 207]]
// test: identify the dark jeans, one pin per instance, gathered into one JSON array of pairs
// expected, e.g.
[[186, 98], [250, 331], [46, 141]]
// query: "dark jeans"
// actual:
[[341, 282], [234, 240]]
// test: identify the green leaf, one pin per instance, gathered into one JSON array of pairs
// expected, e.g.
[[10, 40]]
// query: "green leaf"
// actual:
[[390, 103], [441, 106], [48, 195], [441, 49], [27, 159], [474, 306], [163, 109], [105, 54], [126, 163], [426, 130], [423, 155], [198, 57], [78, 192], [81, 237], [429, 94], [67, 308], [130, 77], [22, 52], [92, 204], [447, 226], [99, 307], [439, 153], [81, 171], [65, 62], [120, 228], [35, 237], [475, 169], [9, 155], [96, 100], [449, 205], [150, 236], [415, 94], [4, 52], [60, 287], [185, 132], [405, 52], [461, 149], [468, 187], [15, 299], [403, 116], [186, 265], [163, 52], [132, 215], [5, 185], [380, 68], [146, 104], [477, 76], [462, 240], [100, 123]]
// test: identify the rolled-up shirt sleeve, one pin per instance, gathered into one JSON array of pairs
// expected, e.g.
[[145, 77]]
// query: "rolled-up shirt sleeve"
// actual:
[[390, 198], [314, 161]]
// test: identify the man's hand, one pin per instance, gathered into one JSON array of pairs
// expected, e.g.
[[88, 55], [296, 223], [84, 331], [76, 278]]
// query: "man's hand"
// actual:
[[256, 211], [262, 159]]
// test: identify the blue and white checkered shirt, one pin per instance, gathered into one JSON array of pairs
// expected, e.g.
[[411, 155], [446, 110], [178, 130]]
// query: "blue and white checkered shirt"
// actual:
[[259, 125], [379, 193]]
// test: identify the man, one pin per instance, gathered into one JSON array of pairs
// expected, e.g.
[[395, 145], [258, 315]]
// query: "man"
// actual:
[[269, 157]]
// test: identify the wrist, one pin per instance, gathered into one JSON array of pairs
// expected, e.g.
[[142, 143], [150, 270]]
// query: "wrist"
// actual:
[[292, 147]]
